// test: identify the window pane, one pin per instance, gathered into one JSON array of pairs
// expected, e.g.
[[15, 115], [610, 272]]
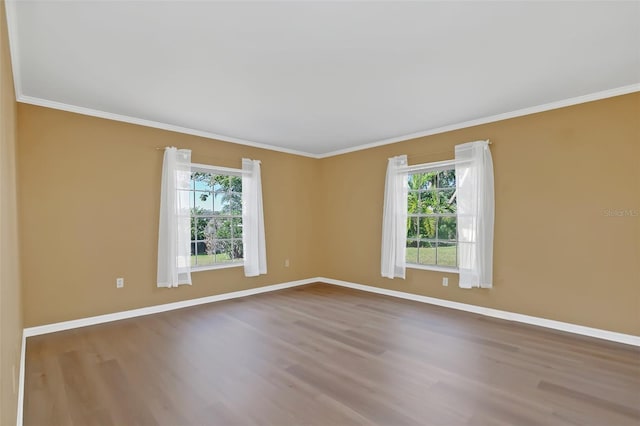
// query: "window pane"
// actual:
[[427, 253], [223, 228], [220, 183], [198, 253], [236, 227], [422, 181], [204, 202], [447, 254], [414, 181], [221, 203], [235, 203], [412, 251], [447, 179], [447, 228], [413, 229], [235, 184], [237, 249], [210, 235], [199, 185], [428, 202], [447, 201], [428, 227], [413, 202], [198, 227], [201, 181], [205, 259], [428, 180], [224, 251]]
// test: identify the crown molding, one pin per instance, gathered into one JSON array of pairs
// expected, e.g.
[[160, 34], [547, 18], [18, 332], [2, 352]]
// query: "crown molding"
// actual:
[[154, 124], [618, 91], [14, 52], [476, 122], [21, 97], [12, 31]]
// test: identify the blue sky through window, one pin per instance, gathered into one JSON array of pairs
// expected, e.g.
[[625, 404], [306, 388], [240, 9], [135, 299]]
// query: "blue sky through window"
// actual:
[[212, 203]]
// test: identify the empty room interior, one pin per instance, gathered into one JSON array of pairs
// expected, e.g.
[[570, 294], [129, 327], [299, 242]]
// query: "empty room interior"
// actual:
[[319, 213]]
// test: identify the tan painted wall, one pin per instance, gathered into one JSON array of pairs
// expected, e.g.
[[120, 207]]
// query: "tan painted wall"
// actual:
[[10, 303], [557, 255], [89, 200]]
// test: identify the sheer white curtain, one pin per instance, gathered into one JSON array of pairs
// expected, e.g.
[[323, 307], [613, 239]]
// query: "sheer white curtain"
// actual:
[[174, 236], [253, 242], [475, 198], [394, 219]]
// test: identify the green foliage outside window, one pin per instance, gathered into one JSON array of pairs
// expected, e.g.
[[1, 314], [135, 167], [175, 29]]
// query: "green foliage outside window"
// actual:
[[216, 218], [431, 221]]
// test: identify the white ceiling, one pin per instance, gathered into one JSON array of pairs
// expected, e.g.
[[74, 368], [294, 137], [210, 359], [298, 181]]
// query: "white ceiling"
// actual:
[[318, 77]]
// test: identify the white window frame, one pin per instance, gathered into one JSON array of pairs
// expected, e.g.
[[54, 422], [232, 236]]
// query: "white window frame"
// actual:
[[206, 168], [430, 168]]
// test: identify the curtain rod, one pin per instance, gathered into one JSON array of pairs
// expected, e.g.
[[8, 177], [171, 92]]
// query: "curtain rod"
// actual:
[[207, 157], [431, 154], [158, 148], [436, 166], [211, 168]]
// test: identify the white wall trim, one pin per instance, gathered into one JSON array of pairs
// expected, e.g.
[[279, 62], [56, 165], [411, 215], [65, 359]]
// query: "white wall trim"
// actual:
[[14, 49], [170, 127], [84, 322], [12, 31], [445, 269], [481, 310], [495, 313], [624, 90], [20, 410], [154, 124]]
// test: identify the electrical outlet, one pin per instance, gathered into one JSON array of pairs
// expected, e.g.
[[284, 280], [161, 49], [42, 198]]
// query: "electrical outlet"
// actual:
[[445, 281], [119, 282], [286, 263]]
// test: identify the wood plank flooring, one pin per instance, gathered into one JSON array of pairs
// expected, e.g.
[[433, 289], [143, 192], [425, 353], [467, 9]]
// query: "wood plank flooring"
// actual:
[[325, 355]]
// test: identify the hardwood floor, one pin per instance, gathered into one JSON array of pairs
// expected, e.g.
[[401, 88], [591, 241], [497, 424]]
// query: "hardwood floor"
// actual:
[[325, 355]]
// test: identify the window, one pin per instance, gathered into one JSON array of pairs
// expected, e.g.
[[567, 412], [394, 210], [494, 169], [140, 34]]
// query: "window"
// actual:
[[440, 216], [432, 231], [215, 199]]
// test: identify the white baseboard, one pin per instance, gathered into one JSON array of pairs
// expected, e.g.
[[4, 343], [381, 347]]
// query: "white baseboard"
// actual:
[[490, 312], [495, 313], [84, 322], [613, 336]]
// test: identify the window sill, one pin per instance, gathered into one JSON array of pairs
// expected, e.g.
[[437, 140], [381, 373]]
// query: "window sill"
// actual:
[[213, 267], [433, 268]]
